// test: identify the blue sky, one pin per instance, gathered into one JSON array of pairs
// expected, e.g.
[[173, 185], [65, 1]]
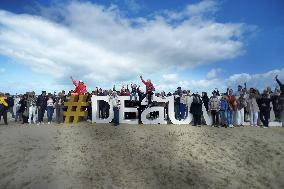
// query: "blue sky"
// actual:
[[198, 45]]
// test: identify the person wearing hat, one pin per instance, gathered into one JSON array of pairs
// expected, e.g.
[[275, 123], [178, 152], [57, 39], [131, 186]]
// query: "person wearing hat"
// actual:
[[80, 87], [3, 107]]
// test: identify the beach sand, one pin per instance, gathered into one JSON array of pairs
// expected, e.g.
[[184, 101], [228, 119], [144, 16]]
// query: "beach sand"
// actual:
[[85, 155]]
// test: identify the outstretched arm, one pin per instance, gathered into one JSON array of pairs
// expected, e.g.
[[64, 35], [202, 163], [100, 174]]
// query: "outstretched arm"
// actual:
[[277, 80], [143, 80], [74, 81]]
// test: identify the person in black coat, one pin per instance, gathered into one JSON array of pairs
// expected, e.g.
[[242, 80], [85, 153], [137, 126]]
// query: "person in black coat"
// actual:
[[196, 109], [205, 100], [264, 107], [24, 108], [41, 104]]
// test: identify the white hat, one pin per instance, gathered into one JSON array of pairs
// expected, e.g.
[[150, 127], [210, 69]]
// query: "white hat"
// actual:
[[80, 81]]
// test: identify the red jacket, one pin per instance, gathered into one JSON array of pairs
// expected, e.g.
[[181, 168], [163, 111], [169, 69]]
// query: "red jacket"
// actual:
[[147, 84], [80, 88], [232, 102]]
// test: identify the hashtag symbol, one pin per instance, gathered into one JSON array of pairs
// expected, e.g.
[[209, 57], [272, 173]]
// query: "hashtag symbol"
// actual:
[[76, 107]]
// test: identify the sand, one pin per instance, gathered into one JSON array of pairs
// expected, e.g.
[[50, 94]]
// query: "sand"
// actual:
[[85, 155]]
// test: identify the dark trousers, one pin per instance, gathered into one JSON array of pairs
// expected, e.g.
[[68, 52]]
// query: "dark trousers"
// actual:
[[182, 109], [59, 115], [4, 114], [25, 119], [215, 117], [264, 117], [116, 116], [277, 114], [149, 97], [89, 110], [177, 110], [41, 112], [196, 119]]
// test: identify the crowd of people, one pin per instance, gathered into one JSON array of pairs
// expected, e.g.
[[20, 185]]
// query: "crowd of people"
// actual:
[[227, 109]]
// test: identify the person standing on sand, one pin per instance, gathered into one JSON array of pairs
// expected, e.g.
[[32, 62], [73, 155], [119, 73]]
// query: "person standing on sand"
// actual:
[[241, 104], [31, 103], [41, 105], [224, 107], [232, 108], [11, 103], [214, 107], [3, 107], [252, 106], [59, 107], [264, 106], [24, 110], [196, 109], [50, 108], [116, 105]]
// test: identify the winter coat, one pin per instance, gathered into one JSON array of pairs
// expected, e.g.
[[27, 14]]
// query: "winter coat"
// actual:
[[264, 104], [224, 105], [3, 104], [31, 101], [149, 86], [241, 103], [232, 103], [252, 105], [41, 101], [196, 106], [80, 88], [214, 103], [205, 101], [184, 99], [10, 101]]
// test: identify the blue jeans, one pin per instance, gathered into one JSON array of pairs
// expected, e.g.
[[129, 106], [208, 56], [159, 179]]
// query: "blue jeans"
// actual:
[[49, 113], [116, 116], [182, 111], [230, 117], [135, 95], [224, 116]]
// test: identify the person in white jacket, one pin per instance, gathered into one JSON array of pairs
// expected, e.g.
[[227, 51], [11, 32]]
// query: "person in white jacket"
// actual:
[[116, 105], [31, 104], [184, 101]]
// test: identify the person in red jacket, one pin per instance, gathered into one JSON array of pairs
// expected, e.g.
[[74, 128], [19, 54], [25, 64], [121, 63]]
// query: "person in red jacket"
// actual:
[[149, 89], [232, 108], [80, 87]]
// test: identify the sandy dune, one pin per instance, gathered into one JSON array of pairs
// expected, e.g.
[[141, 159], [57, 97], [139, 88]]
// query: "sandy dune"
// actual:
[[131, 156]]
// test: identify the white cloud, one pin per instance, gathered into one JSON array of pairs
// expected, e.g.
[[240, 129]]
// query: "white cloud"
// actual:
[[170, 77], [213, 73], [202, 7], [259, 81], [97, 43], [197, 10]]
